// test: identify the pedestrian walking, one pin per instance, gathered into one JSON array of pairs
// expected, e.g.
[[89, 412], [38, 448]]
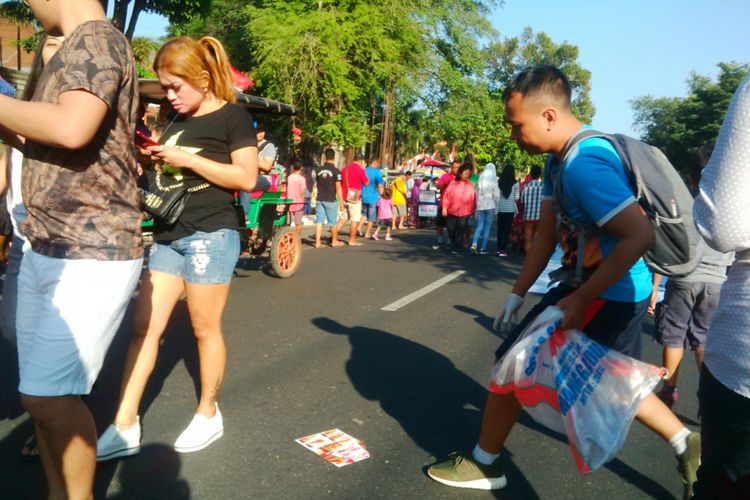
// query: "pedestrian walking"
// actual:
[[398, 196], [329, 201], [370, 195], [353, 179], [488, 196], [83, 228], [385, 215], [459, 203], [609, 306], [531, 196], [197, 254], [296, 185], [724, 392], [442, 184], [507, 208]]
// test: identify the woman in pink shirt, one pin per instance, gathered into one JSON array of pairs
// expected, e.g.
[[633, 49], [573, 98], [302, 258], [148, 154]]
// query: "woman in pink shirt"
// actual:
[[295, 190], [459, 202]]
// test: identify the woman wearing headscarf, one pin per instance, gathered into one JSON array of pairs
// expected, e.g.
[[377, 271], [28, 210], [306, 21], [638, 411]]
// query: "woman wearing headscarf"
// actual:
[[488, 194]]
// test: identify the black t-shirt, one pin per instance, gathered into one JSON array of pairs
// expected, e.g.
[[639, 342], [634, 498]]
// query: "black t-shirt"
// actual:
[[215, 136], [326, 177]]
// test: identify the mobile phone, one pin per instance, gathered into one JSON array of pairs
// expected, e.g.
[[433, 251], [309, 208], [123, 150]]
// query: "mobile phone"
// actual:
[[143, 141]]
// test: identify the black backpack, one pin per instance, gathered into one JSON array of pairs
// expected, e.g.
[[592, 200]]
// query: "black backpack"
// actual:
[[662, 194]]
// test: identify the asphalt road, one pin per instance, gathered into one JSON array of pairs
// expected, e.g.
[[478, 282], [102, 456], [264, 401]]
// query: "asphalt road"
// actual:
[[315, 352]]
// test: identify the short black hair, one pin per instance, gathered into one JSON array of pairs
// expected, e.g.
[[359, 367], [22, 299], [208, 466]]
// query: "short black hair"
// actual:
[[330, 154], [542, 79], [359, 157], [536, 172], [374, 158], [259, 127], [462, 169]]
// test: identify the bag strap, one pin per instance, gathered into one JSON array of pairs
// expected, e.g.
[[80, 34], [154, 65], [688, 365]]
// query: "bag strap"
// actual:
[[562, 216], [193, 189]]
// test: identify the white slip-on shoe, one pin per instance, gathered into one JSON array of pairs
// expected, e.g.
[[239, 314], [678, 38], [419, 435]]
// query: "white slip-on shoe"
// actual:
[[115, 442], [201, 432]]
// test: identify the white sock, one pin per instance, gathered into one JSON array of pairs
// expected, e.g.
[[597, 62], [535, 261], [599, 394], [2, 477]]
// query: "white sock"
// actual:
[[679, 441], [483, 457]]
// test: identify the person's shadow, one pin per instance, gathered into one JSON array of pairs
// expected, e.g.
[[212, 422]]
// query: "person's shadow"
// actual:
[[437, 405], [156, 473]]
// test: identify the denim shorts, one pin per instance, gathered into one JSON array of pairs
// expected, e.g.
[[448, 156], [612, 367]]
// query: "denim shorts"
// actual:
[[200, 259], [370, 212], [326, 211]]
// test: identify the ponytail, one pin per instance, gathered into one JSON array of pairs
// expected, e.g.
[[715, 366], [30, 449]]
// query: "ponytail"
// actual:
[[217, 65], [188, 59]]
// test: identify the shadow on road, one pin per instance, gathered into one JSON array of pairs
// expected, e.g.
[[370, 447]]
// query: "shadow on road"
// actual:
[[155, 473], [438, 406], [25, 479]]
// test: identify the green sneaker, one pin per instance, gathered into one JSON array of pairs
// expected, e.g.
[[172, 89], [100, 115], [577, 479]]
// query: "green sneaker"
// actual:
[[688, 464], [462, 471]]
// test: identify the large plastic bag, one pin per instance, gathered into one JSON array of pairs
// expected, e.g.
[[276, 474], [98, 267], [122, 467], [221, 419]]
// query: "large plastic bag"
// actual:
[[576, 386]]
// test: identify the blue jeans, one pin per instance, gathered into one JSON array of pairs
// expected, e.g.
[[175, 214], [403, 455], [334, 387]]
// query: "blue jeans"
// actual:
[[484, 226]]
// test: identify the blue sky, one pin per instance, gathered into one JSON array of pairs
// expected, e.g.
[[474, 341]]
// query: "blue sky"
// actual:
[[631, 47]]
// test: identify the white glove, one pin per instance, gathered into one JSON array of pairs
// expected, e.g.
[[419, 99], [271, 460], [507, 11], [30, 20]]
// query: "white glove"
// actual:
[[508, 314]]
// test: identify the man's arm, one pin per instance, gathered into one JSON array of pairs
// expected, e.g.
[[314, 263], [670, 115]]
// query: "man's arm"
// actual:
[[635, 236], [71, 123], [339, 194], [544, 245]]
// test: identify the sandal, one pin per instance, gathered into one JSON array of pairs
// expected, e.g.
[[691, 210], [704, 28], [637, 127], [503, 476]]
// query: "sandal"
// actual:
[[30, 449]]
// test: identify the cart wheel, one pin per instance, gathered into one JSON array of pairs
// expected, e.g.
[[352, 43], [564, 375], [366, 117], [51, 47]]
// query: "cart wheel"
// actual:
[[286, 252]]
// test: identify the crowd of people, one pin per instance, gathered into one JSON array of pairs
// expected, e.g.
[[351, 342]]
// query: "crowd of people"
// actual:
[[78, 256]]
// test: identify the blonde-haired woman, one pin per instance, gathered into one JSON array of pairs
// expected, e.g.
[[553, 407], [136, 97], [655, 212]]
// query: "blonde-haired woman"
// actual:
[[210, 144]]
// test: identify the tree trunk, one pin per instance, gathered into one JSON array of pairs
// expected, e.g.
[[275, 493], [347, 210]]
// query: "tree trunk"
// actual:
[[386, 143], [137, 9], [120, 13]]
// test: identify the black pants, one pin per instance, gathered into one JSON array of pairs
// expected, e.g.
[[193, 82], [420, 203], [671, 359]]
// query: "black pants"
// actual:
[[504, 225], [725, 441], [456, 230]]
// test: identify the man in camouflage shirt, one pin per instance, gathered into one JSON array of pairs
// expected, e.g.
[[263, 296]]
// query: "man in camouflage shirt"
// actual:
[[83, 228]]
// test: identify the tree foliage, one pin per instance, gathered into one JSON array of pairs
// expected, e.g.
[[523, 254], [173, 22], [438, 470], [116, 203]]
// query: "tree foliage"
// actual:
[[174, 10], [681, 125], [340, 61]]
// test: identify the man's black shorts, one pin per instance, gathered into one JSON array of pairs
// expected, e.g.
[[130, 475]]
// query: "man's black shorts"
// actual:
[[616, 325]]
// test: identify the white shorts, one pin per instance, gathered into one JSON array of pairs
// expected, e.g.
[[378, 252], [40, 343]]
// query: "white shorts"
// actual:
[[352, 211], [68, 313]]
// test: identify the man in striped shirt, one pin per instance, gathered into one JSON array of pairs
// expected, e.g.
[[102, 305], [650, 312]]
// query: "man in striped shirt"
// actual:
[[531, 196]]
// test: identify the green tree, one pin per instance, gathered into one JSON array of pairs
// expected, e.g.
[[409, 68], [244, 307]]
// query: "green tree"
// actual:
[[681, 125], [174, 10], [144, 49], [508, 57]]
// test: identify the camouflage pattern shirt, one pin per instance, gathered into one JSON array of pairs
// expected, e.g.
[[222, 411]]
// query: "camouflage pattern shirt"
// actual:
[[84, 203]]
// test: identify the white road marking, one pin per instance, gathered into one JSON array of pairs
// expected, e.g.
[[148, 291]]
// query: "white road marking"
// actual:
[[395, 306]]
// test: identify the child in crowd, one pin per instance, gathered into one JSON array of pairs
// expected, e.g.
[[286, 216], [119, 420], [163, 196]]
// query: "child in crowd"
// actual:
[[385, 214], [295, 189]]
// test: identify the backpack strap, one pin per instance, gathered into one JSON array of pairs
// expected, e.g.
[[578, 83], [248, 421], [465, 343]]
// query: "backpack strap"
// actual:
[[562, 216]]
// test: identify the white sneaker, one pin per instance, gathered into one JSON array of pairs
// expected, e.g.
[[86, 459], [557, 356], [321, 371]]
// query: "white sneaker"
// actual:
[[201, 432], [115, 442]]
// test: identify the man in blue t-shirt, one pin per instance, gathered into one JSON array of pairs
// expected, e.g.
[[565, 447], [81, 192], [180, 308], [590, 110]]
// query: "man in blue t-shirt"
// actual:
[[370, 196], [609, 304]]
